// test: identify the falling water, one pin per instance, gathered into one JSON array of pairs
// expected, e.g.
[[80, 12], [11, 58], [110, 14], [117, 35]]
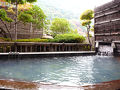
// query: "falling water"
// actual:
[[105, 50]]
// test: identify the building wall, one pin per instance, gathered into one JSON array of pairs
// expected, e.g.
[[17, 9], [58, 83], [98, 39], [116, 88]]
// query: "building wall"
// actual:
[[24, 31], [107, 21]]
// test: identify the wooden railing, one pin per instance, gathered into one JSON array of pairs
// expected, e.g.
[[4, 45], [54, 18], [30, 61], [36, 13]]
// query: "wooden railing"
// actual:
[[41, 47]]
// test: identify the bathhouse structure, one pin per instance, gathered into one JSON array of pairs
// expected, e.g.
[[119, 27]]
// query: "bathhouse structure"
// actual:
[[107, 24]]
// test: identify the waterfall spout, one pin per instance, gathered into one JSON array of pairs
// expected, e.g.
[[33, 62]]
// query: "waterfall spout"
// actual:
[[105, 50]]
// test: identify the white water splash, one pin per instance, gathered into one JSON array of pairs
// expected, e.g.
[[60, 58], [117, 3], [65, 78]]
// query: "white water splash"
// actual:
[[105, 50]]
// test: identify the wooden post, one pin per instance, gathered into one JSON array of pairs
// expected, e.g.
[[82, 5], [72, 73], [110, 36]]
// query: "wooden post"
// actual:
[[25, 48], [44, 48], [10, 49], [56, 48], [69, 49], [4, 48], [50, 48], [35, 48], [21, 48], [59, 48], [31, 49], [40, 48], [63, 47], [15, 48]]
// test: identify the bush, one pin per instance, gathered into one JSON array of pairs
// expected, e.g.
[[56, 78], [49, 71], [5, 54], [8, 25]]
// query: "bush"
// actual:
[[62, 38], [68, 38], [5, 39], [32, 40]]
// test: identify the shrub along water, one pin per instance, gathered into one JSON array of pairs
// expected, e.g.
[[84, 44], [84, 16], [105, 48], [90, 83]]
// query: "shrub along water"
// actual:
[[62, 38], [32, 40], [68, 38], [5, 39]]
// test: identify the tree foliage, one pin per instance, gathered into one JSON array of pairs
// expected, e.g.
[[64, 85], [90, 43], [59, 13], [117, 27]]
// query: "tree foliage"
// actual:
[[25, 6], [86, 18], [10, 10], [86, 23], [3, 16], [16, 2], [25, 18], [34, 15], [87, 15], [92, 29], [20, 1], [60, 26], [39, 17], [74, 31]]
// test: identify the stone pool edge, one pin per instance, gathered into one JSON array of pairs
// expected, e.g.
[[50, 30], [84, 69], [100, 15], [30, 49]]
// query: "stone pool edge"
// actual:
[[21, 85], [46, 54]]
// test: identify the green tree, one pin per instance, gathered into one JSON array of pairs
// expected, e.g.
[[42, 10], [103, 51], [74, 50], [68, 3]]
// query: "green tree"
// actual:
[[60, 26], [74, 31], [4, 18], [16, 2], [35, 16], [86, 19], [39, 17], [25, 18]]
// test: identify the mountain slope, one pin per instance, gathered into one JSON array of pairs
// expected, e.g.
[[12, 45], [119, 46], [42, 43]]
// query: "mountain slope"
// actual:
[[55, 8]]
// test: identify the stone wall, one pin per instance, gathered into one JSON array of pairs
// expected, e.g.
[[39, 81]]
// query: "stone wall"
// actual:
[[24, 31], [107, 21]]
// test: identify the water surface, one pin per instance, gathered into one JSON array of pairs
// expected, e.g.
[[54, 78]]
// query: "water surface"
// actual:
[[76, 70]]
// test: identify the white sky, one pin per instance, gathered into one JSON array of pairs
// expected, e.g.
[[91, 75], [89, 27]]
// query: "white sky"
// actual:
[[82, 5], [75, 6]]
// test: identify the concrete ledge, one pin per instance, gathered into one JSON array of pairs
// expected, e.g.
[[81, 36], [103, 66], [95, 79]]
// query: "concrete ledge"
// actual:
[[45, 54]]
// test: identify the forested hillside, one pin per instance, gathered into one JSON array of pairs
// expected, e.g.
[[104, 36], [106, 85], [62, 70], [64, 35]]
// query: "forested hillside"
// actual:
[[55, 8]]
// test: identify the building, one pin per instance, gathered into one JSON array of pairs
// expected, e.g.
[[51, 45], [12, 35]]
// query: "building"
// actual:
[[24, 31], [107, 23]]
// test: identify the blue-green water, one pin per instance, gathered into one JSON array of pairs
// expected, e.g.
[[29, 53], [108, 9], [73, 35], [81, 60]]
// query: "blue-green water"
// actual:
[[77, 70]]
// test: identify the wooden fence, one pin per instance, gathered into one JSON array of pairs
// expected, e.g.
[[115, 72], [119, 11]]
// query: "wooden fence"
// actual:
[[41, 47]]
